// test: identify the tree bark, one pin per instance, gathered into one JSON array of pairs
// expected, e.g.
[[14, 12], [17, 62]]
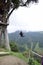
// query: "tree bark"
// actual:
[[0, 37], [6, 40]]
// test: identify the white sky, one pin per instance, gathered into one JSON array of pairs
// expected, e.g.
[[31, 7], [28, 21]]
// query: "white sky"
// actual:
[[27, 18]]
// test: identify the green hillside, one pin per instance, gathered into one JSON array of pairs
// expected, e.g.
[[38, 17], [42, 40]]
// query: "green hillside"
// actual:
[[27, 40]]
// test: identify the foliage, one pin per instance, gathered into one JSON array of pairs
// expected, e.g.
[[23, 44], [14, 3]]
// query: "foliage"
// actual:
[[36, 63], [36, 57], [26, 54], [14, 47], [33, 62], [37, 47], [26, 47], [6, 5], [16, 3], [21, 48]]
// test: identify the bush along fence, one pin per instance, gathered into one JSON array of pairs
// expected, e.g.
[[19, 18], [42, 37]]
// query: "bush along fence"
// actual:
[[37, 57]]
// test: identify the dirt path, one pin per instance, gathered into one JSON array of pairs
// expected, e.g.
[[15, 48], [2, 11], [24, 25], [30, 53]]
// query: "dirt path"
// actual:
[[11, 60]]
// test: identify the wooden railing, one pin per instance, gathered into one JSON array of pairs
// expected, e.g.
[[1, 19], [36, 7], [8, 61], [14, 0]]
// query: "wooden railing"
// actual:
[[38, 57]]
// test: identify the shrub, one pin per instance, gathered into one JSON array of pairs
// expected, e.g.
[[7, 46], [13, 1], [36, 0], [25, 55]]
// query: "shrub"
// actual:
[[26, 54], [31, 61], [14, 47]]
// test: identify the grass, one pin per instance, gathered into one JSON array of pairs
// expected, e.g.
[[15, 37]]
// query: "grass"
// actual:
[[19, 55]]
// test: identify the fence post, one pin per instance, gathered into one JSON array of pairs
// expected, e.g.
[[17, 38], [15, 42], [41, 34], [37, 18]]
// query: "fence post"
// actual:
[[42, 60]]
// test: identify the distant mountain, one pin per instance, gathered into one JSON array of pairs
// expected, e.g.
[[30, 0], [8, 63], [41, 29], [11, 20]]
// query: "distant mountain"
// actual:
[[28, 38]]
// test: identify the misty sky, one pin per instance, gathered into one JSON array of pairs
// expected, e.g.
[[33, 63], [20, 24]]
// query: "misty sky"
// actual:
[[27, 18]]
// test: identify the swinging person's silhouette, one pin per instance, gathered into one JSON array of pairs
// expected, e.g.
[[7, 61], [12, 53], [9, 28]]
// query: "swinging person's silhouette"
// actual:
[[21, 34]]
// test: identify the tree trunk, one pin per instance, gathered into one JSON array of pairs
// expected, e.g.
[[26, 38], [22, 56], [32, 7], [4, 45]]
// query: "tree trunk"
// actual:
[[0, 37], [6, 40]]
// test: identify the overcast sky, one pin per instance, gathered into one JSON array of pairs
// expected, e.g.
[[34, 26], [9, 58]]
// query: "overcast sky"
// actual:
[[27, 18]]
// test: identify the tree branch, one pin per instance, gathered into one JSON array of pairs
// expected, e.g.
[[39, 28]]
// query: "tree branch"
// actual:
[[10, 14]]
